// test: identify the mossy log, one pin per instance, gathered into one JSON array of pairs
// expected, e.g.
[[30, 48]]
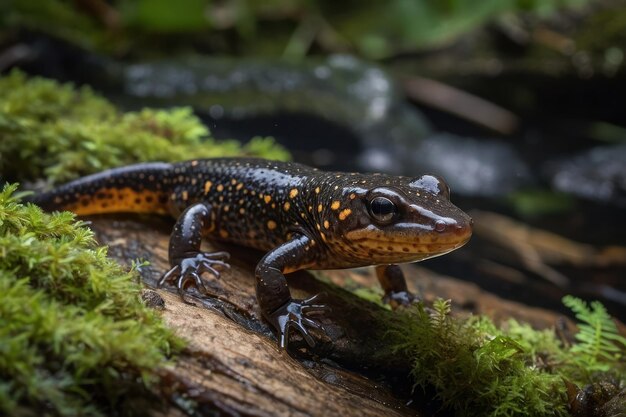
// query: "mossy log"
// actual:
[[233, 364]]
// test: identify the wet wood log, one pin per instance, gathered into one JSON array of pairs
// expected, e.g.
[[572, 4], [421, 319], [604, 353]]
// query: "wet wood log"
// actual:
[[232, 365]]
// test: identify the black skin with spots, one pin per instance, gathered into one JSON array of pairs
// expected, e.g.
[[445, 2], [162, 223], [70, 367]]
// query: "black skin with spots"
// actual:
[[302, 217]]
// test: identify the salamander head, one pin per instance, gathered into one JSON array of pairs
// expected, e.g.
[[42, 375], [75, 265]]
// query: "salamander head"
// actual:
[[399, 219]]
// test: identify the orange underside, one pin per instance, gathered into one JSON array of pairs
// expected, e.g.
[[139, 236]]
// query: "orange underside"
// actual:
[[114, 200]]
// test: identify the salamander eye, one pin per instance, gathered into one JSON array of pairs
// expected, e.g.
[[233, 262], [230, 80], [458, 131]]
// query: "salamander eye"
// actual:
[[382, 209]]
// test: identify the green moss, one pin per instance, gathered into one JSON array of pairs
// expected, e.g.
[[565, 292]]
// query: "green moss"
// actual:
[[75, 339], [74, 335], [478, 369], [60, 133]]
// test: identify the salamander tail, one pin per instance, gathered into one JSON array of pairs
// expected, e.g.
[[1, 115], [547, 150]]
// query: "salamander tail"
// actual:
[[136, 188]]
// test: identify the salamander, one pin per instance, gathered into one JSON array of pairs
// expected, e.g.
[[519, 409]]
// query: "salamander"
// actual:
[[303, 218]]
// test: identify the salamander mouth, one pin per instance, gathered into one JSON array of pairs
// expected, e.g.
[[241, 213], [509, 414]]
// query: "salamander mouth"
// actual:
[[428, 249], [391, 247]]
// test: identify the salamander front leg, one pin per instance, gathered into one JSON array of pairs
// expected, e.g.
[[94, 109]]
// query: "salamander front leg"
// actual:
[[278, 308], [392, 280], [187, 261]]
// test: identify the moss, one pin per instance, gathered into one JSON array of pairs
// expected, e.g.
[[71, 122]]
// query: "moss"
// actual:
[[478, 369], [75, 339], [74, 335], [60, 132]]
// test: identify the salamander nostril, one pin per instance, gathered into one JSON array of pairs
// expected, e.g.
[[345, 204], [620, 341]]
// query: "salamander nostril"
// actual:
[[440, 225]]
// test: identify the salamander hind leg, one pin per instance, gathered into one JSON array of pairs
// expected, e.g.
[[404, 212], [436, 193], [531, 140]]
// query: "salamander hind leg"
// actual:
[[187, 261], [392, 280], [278, 307]]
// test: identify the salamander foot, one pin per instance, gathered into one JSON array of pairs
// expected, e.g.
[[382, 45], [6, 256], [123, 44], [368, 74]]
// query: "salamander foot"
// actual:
[[293, 314], [400, 299], [190, 268]]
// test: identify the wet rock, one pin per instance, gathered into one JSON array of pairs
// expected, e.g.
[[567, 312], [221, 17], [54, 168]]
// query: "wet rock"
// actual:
[[470, 166], [341, 90], [598, 174]]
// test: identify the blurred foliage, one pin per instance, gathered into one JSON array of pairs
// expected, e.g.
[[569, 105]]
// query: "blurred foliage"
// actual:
[[536, 202], [607, 132], [60, 133], [382, 28], [75, 338], [478, 369], [373, 28]]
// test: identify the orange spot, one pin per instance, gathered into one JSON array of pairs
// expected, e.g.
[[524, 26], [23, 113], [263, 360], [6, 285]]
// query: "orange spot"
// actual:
[[317, 190], [352, 196], [286, 205], [335, 205], [220, 188], [223, 234], [326, 224], [271, 224], [344, 213], [194, 163], [267, 199], [185, 195], [233, 181], [226, 209], [239, 186], [293, 193], [319, 208], [207, 187], [242, 210]]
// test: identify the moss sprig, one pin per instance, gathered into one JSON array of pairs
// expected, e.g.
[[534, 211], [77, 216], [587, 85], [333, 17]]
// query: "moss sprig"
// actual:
[[599, 348], [74, 335], [479, 369]]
